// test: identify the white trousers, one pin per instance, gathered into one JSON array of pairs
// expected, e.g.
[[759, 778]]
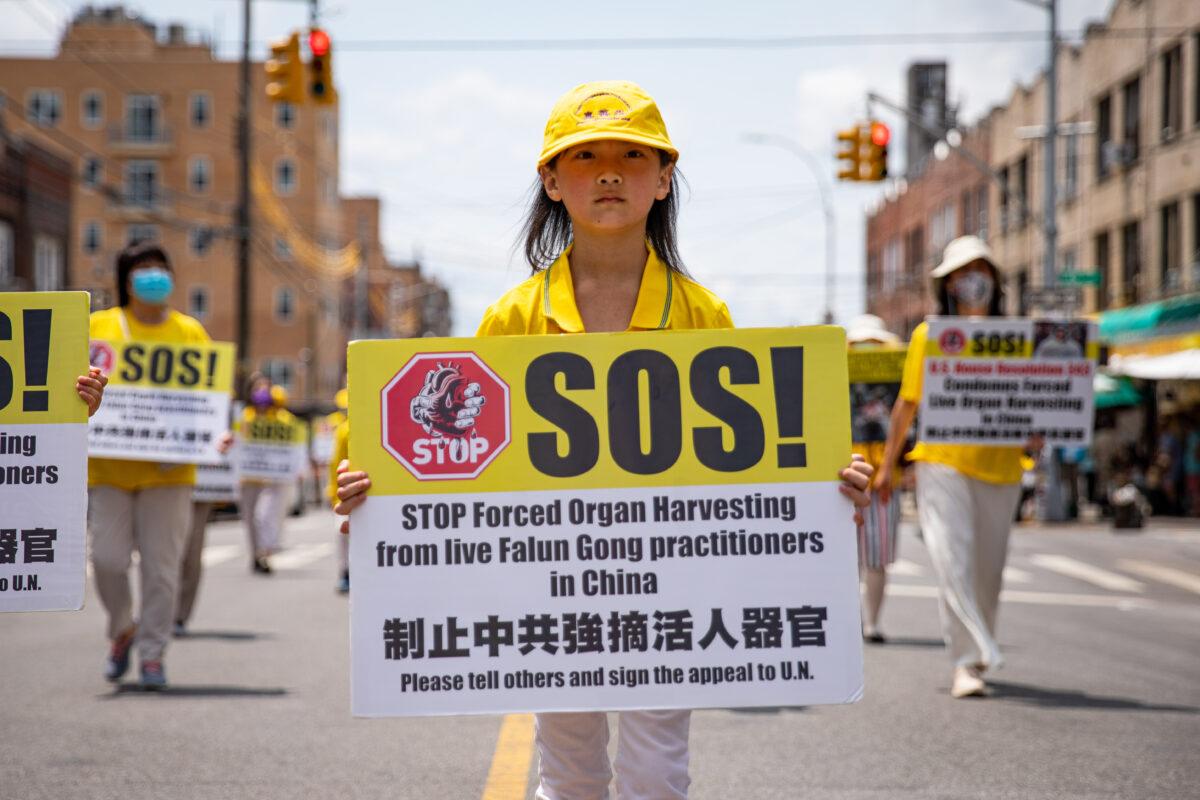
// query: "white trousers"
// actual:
[[651, 763], [262, 510], [965, 523]]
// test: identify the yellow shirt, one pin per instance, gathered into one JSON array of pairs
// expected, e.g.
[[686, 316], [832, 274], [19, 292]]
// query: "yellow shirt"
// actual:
[[341, 451], [133, 476], [545, 303], [988, 464]]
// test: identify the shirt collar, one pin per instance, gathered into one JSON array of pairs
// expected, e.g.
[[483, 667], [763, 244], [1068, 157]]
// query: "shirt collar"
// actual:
[[653, 308]]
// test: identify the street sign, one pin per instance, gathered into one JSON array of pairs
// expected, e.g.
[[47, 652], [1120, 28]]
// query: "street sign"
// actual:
[[1055, 298], [1079, 278]]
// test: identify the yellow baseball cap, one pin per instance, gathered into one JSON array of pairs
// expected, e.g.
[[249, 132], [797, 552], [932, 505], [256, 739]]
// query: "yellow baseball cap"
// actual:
[[605, 110]]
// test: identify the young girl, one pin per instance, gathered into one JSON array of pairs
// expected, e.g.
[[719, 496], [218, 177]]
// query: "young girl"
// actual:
[[600, 238]]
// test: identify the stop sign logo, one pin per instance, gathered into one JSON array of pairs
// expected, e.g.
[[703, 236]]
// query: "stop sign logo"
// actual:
[[445, 416]]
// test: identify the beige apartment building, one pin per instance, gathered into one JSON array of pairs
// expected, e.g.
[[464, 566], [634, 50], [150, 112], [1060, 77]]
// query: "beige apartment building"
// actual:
[[148, 119], [1128, 180], [1128, 190]]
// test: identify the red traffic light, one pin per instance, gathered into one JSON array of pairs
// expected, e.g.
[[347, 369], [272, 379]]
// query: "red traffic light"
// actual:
[[318, 42], [880, 135]]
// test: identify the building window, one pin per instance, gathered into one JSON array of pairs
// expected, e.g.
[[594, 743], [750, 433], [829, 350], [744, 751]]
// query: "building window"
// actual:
[[1131, 120], [283, 250], [199, 174], [1070, 167], [1131, 262], [1022, 286], [141, 232], [44, 107], [1022, 176], [197, 302], [1005, 200], [1103, 266], [285, 115], [90, 240], [943, 226], [200, 239], [893, 255], [47, 264], [142, 123], [92, 172], [141, 183], [1170, 248], [981, 212], [200, 109], [285, 176], [1104, 137], [278, 371], [8, 271], [285, 305], [914, 251], [91, 104], [1172, 93]]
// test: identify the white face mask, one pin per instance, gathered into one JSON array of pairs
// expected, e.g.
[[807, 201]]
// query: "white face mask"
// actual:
[[974, 289]]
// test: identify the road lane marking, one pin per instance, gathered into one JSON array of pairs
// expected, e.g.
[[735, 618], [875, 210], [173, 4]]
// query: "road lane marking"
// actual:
[[1087, 572], [1015, 575], [508, 778], [1036, 598], [220, 553], [1170, 575], [301, 555], [909, 569]]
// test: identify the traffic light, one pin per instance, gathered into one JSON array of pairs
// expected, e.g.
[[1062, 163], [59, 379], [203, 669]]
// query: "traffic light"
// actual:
[[876, 163], [285, 71], [851, 153], [320, 68]]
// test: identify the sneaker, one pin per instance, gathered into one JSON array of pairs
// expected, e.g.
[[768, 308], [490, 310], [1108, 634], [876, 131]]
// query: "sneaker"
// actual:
[[343, 584], [967, 683], [117, 662], [873, 635], [179, 630], [262, 566], [153, 676]]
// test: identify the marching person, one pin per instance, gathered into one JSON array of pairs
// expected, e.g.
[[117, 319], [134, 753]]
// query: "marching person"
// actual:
[[140, 504], [262, 500], [877, 534], [600, 238], [966, 494], [341, 451]]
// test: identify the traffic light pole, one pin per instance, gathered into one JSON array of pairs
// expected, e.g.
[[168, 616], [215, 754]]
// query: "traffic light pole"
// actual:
[[243, 208]]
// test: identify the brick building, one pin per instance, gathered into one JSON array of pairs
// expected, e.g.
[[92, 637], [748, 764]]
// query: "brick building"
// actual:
[[1128, 193], [147, 121], [35, 216]]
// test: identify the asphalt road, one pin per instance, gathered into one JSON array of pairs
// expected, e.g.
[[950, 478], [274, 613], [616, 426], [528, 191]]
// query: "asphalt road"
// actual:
[[1100, 697]]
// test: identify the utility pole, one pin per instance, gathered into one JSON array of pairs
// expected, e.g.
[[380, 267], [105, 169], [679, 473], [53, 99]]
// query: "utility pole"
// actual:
[[245, 364], [1050, 232]]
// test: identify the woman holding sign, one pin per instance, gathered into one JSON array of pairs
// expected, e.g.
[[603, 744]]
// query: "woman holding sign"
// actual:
[[263, 499], [600, 239], [966, 494], [140, 504]]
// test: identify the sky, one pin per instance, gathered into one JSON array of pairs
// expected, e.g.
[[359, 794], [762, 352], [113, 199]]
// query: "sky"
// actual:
[[449, 138]]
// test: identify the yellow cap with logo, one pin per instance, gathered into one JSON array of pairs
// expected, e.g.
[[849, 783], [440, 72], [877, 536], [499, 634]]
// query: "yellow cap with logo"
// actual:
[[605, 110]]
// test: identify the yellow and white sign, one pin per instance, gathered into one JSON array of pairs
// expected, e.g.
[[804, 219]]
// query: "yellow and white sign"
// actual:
[[164, 402], [603, 521], [998, 381], [271, 449], [875, 374], [43, 450]]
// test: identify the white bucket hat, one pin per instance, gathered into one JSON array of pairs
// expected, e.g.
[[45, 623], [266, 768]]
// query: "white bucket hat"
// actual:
[[960, 252], [869, 328]]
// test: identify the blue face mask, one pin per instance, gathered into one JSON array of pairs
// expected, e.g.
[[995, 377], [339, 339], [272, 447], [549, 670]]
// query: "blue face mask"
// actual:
[[153, 285]]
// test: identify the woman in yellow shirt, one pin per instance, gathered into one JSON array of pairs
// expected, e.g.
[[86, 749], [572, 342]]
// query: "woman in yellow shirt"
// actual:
[[262, 500], [965, 493], [140, 504]]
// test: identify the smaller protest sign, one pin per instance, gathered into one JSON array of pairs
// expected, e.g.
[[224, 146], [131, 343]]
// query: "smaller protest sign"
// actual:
[[272, 449], [874, 385], [996, 381], [164, 402]]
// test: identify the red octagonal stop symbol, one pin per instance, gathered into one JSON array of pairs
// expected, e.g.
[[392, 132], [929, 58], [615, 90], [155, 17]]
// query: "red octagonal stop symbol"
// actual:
[[445, 416]]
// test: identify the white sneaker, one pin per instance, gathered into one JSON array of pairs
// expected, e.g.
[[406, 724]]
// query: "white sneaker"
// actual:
[[967, 683]]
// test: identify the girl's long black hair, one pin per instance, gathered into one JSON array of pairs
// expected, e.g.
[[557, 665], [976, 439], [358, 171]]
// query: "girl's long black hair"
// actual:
[[547, 226]]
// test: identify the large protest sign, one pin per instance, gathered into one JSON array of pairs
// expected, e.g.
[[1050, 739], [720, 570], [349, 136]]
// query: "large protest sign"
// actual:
[[603, 521], [874, 385], [164, 402], [271, 449], [43, 450], [996, 381]]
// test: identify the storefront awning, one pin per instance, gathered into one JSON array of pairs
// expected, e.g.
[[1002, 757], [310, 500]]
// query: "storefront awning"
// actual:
[[1150, 320], [1182, 365], [1115, 392]]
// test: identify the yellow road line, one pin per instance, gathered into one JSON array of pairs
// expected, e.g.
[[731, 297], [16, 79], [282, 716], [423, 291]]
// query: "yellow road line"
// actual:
[[508, 779]]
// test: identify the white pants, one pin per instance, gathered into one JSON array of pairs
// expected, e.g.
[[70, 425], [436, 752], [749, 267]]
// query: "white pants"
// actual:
[[262, 509], [965, 523], [156, 522], [651, 763]]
